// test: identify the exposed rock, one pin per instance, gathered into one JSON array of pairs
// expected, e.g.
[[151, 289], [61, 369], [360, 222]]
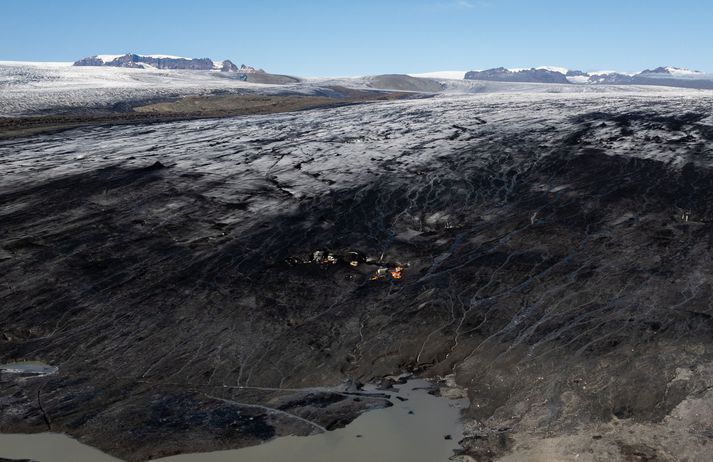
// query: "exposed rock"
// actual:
[[501, 74], [131, 60], [228, 66], [611, 79], [574, 73], [90, 61], [249, 70], [660, 76], [658, 70], [671, 71]]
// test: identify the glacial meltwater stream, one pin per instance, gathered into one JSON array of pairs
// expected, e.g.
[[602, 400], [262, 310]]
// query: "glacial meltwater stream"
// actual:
[[418, 427]]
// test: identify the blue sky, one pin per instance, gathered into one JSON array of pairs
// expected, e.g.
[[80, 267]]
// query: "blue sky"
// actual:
[[340, 38]]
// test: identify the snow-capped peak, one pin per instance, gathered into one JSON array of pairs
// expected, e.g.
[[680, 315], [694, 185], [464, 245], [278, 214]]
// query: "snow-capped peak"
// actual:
[[680, 71], [561, 70]]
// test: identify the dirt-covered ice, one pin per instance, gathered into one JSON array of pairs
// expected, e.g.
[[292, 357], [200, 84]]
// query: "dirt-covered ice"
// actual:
[[554, 255]]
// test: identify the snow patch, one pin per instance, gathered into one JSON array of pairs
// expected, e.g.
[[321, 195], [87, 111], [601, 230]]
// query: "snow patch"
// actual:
[[578, 79], [630, 74], [451, 75], [108, 58], [47, 64], [561, 70]]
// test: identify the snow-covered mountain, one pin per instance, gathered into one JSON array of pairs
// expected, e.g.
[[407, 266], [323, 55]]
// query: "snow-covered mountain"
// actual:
[[674, 71], [132, 60], [660, 76]]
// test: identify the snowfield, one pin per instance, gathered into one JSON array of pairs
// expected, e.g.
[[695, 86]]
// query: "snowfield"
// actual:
[[450, 75], [39, 87], [29, 88]]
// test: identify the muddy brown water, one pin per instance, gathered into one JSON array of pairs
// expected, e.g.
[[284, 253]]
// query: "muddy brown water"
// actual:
[[410, 431]]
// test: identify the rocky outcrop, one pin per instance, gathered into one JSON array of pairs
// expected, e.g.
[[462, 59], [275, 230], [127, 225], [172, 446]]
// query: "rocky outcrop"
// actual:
[[574, 73], [611, 79], [132, 60], [674, 77], [658, 70], [671, 71], [501, 74], [244, 69], [228, 66], [660, 76], [89, 61]]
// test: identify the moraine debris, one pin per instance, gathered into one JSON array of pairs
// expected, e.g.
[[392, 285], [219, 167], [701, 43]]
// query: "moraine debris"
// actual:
[[352, 259]]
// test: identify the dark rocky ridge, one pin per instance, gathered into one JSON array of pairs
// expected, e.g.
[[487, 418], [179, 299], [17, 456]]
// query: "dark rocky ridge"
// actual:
[[132, 60], [564, 278], [661, 70], [89, 61], [228, 66], [501, 74], [656, 77], [613, 78], [575, 73], [661, 76]]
